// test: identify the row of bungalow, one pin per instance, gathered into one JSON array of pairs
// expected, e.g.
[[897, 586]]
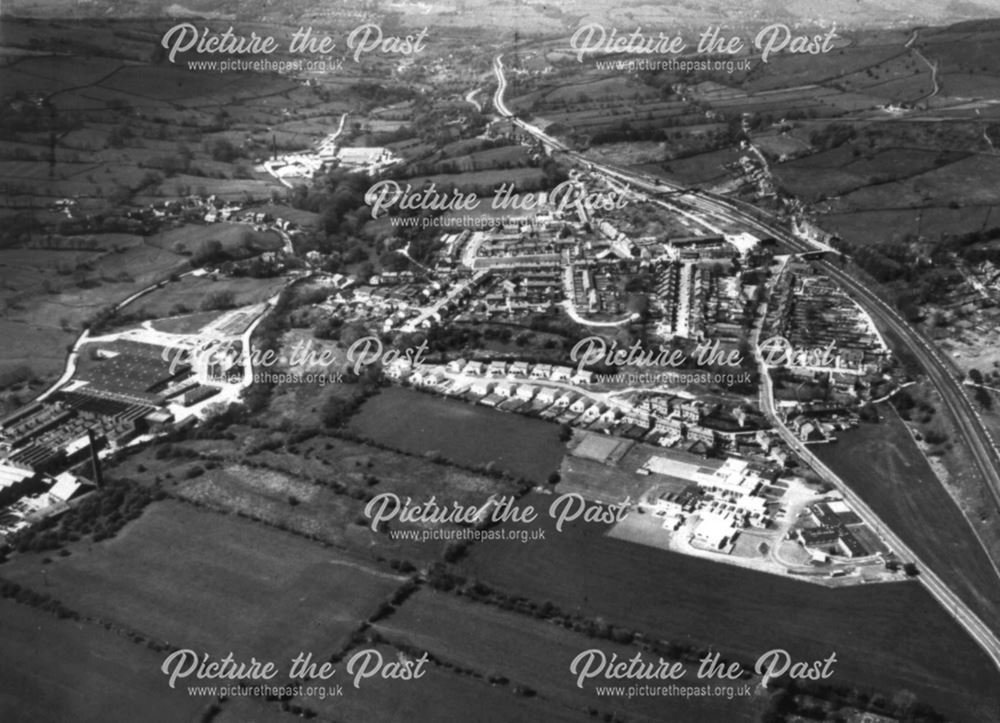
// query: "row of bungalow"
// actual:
[[522, 370], [512, 395]]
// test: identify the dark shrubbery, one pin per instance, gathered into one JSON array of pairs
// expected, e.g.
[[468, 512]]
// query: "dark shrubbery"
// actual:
[[100, 515]]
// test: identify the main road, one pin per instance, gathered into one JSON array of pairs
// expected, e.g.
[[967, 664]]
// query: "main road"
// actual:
[[973, 625], [939, 371]]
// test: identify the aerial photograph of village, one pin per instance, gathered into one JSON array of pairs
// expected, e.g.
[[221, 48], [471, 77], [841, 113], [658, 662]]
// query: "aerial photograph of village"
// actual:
[[523, 360]]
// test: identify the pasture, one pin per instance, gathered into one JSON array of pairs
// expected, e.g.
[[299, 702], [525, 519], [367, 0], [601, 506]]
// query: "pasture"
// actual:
[[440, 694], [743, 613], [537, 654], [215, 583], [468, 434], [203, 293], [890, 473], [55, 669]]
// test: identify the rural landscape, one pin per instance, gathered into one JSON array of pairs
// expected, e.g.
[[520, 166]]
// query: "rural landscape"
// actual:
[[515, 361]]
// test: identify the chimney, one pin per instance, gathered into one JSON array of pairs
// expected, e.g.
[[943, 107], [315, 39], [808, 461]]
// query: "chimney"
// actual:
[[95, 462]]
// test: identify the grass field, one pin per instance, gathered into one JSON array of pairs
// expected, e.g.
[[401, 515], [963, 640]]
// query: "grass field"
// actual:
[[250, 710], [440, 695], [889, 225], [56, 670], [267, 495], [316, 511], [839, 171], [232, 236], [45, 304], [215, 583], [966, 181], [317, 488], [484, 183], [196, 293], [744, 613], [536, 653], [873, 227], [702, 169], [186, 323], [790, 70], [41, 349], [471, 435], [888, 470]]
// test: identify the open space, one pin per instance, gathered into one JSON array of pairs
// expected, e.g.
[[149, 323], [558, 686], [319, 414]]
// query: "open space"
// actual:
[[890, 473], [745, 613], [537, 654], [441, 694], [216, 583], [55, 669], [465, 433]]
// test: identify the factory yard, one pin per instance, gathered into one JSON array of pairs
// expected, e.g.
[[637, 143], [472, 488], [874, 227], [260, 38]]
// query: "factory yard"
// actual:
[[732, 511]]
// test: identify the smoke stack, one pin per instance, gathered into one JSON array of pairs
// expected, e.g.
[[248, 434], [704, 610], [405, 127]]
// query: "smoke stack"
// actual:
[[95, 461]]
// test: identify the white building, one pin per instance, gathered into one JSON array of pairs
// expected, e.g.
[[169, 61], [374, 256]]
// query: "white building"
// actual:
[[473, 367], [541, 371], [526, 392], [714, 531], [482, 388], [565, 400], [561, 374], [519, 369], [547, 395]]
